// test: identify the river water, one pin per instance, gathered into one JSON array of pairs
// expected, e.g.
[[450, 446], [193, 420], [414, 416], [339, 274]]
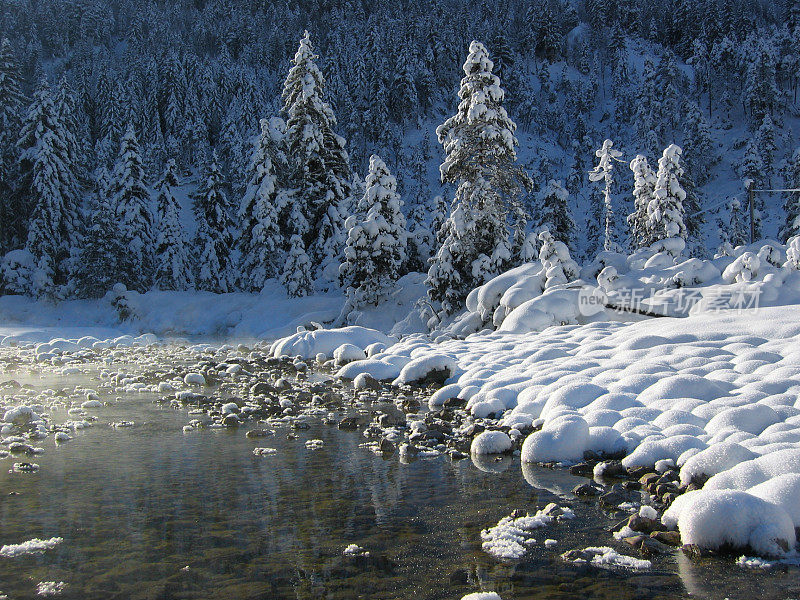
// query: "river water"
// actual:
[[152, 512]]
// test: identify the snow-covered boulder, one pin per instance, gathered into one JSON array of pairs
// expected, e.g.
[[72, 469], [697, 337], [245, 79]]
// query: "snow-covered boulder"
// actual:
[[563, 439], [491, 442], [718, 519], [424, 366], [307, 344]]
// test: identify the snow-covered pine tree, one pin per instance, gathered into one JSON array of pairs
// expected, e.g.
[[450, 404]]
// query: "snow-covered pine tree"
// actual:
[[320, 166], [296, 276], [648, 107], [665, 211], [173, 265], [480, 158], [767, 147], [644, 184], [699, 153], [459, 263], [438, 218], [761, 91], [131, 201], [606, 155], [558, 265], [693, 217], [791, 202], [376, 247], [421, 239], [44, 163], [11, 102], [215, 235], [737, 232], [752, 172], [261, 240], [103, 249], [554, 212]]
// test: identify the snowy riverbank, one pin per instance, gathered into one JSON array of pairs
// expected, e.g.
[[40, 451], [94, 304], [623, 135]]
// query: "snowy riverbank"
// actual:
[[267, 315], [717, 395]]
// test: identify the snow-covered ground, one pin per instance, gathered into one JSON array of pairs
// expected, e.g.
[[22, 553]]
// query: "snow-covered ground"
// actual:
[[268, 315], [715, 393]]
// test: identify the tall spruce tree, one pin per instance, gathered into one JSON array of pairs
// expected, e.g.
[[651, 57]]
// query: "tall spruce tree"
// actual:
[[131, 201], [11, 102], [49, 180], [296, 276], [376, 247], [215, 235], [173, 267], [320, 165], [261, 241], [606, 155], [644, 184], [665, 211], [554, 212], [103, 250], [479, 144]]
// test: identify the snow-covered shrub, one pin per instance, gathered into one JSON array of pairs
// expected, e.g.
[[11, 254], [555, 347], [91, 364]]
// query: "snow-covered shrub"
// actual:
[[17, 269], [120, 299], [558, 264], [743, 269], [793, 252]]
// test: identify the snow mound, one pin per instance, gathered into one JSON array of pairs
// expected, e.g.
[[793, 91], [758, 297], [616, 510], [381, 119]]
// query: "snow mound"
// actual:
[[308, 344], [482, 596], [491, 442], [719, 519], [562, 439], [419, 368], [783, 491], [347, 353], [714, 459]]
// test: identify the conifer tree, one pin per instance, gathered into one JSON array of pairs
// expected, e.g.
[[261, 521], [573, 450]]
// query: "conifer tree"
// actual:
[[767, 147], [554, 212], [260, 239], [606, 155], [791, 203], [102, 250], [644, 184], [131, 201], [699, 153], [11, 102], [376, 247], [737, 231], [665, 211], [320, 166], [296, 276], [214, 239], [760, 87], [44, 163], [173, 265], [480, 159], [422, 238]]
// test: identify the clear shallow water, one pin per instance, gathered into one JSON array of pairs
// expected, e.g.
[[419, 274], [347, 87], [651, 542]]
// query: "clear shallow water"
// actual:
[[151, 512]]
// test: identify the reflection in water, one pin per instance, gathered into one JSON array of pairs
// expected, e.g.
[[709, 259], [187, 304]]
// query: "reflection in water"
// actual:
[[557, 482], [150, 512], [491, 464]]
